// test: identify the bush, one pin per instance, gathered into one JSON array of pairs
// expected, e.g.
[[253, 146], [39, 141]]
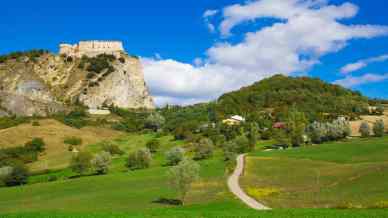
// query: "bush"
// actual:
[[17, 176], [36, 144], [380, 109], [203, 149], [174, 156], [52, 178], [111, 148], [154, 121], [364, 130], [72, 141], [139, 159], [242, 143], [230, 151], [81, 163], [378, 128], [101, 162], [35, 123], [153, 145]]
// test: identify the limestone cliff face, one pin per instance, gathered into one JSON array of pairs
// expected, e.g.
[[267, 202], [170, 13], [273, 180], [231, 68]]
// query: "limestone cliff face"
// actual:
[[51, 83], [124, 88]]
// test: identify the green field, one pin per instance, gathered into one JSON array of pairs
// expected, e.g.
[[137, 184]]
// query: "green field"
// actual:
[[340, 174], [124, 193]]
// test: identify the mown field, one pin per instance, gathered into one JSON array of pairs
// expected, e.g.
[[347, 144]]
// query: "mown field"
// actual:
[[340, 174]]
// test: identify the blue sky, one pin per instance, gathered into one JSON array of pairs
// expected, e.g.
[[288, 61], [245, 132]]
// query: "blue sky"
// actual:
[[190, 57]]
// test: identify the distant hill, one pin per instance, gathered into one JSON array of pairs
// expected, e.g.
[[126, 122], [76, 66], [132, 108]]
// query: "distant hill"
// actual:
[[310, 95]]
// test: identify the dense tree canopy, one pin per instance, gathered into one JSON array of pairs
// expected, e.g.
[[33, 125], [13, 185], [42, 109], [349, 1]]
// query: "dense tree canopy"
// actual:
[[309, 95]]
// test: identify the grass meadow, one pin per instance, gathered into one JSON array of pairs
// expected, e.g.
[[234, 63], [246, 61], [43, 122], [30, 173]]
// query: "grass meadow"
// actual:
[[352, 173]]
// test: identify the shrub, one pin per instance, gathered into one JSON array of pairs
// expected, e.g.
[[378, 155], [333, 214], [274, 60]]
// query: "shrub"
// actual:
[[36, 144], [52, 178], [101, 162], [174, 156], [81, 163], [378, 128], [154, 121], [203, 149], [230, 151], [18, 175], [380, 109], [153, 145], [122, 60], [139, 159], [242, 143], [365, 130], [35, 123], [182, 176], [112, 148], [72, 140]]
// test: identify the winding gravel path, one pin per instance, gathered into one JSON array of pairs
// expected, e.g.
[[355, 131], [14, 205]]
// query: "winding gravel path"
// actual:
[[234, 186]]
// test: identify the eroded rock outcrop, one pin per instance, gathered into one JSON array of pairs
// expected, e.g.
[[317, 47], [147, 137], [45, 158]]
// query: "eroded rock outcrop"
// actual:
[[50, 83]]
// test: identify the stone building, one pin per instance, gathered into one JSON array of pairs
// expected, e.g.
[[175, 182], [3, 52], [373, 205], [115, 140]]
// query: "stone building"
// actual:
[[92, 48]]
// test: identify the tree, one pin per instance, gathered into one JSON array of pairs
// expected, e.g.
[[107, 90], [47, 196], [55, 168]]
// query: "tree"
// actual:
[[174, 156], [378, 128], [18, 175], [182, 176], [111, 148], [380, 109], [101, 162], [36, 144], [81, 162], [203, 149], [296, 126], [243, 144], [364, 130], [281, 138], [155, 121], [153, 145], [253, 135], [139, 159], [230, 151], [72, 140], [316, 132]]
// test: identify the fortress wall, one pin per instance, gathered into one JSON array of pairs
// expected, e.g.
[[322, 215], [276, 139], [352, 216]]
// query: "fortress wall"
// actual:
[[92, 48]]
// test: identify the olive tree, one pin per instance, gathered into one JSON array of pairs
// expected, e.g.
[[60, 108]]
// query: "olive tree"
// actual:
[[365, 130], [203, 149], [174, 156], [81, 162], [139, 159], [155, 121], [182, 176], [378, 128], [101, 162]]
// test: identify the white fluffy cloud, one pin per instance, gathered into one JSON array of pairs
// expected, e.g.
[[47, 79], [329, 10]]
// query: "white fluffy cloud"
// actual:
[[349, 68], [352, 81], [306, 30]]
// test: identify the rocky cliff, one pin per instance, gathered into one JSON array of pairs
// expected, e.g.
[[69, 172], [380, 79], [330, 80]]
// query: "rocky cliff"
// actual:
[[44, 83]]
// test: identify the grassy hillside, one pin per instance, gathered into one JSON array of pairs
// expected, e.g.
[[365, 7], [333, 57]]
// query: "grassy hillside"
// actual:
[[53, 133], [124, 193], [309, 95], [340, 174]]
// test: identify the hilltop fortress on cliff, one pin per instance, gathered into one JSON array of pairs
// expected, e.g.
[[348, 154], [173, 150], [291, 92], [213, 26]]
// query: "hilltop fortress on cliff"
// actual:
[[92, 48], [53, 83]]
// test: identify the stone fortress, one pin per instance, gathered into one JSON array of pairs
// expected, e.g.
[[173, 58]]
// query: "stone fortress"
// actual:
[[92, 48]]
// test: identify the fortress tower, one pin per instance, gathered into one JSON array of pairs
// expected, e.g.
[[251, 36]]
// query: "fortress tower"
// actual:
[[92, 48]]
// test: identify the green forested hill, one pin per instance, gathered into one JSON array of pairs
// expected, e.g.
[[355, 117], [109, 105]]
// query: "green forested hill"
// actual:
[[310, 95]]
